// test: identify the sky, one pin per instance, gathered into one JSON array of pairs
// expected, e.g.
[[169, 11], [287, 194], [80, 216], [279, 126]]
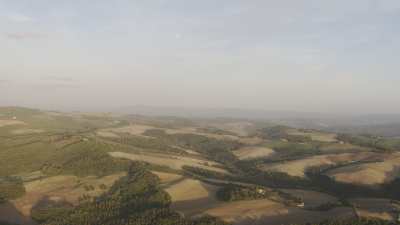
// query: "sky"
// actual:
[[336, 56]]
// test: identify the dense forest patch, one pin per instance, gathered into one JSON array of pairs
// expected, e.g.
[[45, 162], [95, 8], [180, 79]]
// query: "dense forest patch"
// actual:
[[236, 193], [84, 159], [371, 141], [153, 144], [47, 209], [133, 200], [215, 149], [214, 130]]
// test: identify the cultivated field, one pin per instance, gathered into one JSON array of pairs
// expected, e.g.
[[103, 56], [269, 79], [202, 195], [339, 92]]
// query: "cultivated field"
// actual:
[[385, 209], [369, 173], [253, 152], [174, 162], [250, 140], [311, 199], [298, 167], [267, 212], [29, 144], [193, 130], [240, 128], [192, 196], [166, 178], [315, 135], [107, 134], [342, 147], [4, 123], [27, 131], [68, 188], [138, 130]]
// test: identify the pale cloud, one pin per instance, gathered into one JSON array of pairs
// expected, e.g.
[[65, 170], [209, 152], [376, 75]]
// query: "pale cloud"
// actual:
[[24, 35], [257, 54], [178, 36], [19, 18], [50, 85], [389, 5], [62, 79]]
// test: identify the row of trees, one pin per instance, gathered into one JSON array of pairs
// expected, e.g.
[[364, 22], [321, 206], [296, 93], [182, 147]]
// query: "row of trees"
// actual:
[[214, 130], [218, 150], [371, 141], [233, 192], [147, 143], [319, 179], [281, 132]]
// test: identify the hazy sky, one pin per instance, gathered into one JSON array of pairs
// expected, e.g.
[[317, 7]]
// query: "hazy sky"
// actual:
[[303, 55]]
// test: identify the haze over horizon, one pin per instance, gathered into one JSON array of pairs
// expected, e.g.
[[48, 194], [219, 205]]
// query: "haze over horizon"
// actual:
[[306, 56]]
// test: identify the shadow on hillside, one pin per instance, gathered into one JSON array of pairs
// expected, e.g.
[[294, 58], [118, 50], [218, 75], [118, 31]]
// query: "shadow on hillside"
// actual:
[[193, 207], [392, 175], [11, 215], [297, 216]]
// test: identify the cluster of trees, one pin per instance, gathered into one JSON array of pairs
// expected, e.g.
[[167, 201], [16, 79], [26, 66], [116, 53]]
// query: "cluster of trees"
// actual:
[[298, 138], [343, 190], [214, 130], [221, 151], [278, 179], [329, 205], [289, 150], [250, 173], [89, 187], [146, 143], [289, 199], [316, 179], [84, 161], [218, 150], [204, 173], [247, 172], [371, 141], [46, 209], [135, 199], [275, 132], [11, 188], [281, 132], [233, 192], [319, 179]]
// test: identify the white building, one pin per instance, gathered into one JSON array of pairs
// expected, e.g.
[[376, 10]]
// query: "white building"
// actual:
[[301, 205], [261, 191]]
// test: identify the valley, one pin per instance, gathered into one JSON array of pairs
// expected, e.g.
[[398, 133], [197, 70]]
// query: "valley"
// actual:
[[271, 174]]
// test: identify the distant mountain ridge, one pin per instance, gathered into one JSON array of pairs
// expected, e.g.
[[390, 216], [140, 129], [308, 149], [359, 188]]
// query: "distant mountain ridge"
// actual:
[[378, 124]]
